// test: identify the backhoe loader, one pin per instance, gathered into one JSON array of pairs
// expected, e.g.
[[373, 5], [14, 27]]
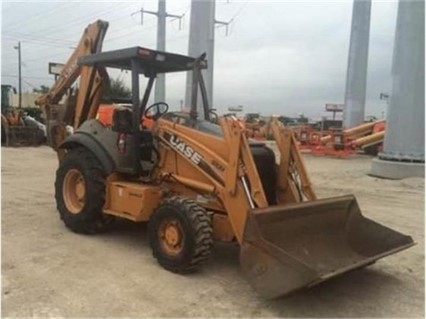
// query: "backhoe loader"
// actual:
[[194, 181]]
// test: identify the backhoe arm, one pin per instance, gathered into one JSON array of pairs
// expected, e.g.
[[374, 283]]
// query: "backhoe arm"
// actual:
[[89, 91], [90, 42]]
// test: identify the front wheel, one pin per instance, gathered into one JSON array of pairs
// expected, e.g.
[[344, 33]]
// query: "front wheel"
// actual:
[[80, 192], [180, 234]]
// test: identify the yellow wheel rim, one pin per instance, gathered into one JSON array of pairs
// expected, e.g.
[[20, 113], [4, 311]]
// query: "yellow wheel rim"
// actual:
[[171, 236], [74, 191]]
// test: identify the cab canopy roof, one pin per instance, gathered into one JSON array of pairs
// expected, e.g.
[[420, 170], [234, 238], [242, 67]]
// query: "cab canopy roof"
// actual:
[[145, 60]]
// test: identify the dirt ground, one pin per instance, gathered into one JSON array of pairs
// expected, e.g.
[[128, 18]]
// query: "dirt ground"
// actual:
[[50, 271]]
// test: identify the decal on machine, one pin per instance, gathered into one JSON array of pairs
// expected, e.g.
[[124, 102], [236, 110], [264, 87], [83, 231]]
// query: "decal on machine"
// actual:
[[185, 149], [192, 155]]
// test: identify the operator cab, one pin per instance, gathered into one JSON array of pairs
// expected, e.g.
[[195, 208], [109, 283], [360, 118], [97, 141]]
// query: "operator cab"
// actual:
[[137, 159], [149, 63]]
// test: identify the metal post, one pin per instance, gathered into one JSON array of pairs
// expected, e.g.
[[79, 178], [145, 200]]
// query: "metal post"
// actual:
[[160, 84], [210, 52], [356, 77], [201, 40], [136, 115], [404, 143], [19, 74]]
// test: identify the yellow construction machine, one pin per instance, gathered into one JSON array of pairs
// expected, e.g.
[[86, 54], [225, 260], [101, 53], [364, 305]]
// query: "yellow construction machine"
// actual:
[[194, 181]]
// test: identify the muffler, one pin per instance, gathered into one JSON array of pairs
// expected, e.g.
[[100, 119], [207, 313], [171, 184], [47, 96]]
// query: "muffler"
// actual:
[[287, 248]]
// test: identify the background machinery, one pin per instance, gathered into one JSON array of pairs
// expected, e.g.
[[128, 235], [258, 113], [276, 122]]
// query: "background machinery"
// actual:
[[17, 127], [253, 125], [366, 136], [194, 181]]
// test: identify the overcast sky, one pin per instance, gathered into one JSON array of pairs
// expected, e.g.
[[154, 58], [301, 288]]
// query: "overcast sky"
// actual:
[[280, 57]]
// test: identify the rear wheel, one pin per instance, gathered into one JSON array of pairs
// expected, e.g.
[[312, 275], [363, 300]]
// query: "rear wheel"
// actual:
[[80, 192], [180, 234]]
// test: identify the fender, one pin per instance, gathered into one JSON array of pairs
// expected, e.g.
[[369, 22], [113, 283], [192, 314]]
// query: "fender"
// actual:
[[81, 139]]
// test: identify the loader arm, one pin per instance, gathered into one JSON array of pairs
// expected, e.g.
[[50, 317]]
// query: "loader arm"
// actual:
[[215, 171], [228, 170], [91, 79], [294, 184]]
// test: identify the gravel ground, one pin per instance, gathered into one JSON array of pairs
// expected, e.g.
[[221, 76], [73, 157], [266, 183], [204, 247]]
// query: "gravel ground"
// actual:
[[50, 271]]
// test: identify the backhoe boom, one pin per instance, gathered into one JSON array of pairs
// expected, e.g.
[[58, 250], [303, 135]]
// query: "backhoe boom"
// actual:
[[89, 92]]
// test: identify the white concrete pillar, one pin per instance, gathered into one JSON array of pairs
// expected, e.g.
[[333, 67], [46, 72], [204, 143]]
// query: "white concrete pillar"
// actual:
[[201, 39], [404, 143], [356, 76]]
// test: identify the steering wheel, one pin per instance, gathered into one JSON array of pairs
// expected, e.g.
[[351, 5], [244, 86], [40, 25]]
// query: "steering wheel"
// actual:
[[156, 110]]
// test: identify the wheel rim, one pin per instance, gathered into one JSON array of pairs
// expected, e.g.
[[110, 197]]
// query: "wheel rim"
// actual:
[[171, 236], [74, 191]]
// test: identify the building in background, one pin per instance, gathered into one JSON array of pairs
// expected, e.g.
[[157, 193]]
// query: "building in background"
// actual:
[[28, 99]]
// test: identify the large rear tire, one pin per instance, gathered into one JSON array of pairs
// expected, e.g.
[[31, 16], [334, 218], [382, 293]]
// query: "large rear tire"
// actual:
[[80, 192], [180, 234]]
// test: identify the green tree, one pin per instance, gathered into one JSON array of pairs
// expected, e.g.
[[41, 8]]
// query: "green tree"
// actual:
[[117, 89]]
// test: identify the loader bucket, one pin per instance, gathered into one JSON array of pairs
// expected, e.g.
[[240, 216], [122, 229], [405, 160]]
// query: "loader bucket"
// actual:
[[287, 248]]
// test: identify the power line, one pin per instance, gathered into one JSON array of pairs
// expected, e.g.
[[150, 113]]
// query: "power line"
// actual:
[[35, 16], [65, 25], [239, 11], [74, 23], [45, 57], [29, 84], [30, 37], [127, 32], [54, 42], [27, 77], [36, 42]]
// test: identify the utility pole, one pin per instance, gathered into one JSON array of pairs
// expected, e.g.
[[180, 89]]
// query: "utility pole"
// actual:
[[160, 85], [225, 24], [201, 40], [20, 74]]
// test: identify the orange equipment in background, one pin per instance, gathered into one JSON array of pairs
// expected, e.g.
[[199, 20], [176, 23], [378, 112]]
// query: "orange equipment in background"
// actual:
[[302, 134], [372, 144], [342, 143]]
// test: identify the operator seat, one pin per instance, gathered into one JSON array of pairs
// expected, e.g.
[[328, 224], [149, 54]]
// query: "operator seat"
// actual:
[[122, 123]]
